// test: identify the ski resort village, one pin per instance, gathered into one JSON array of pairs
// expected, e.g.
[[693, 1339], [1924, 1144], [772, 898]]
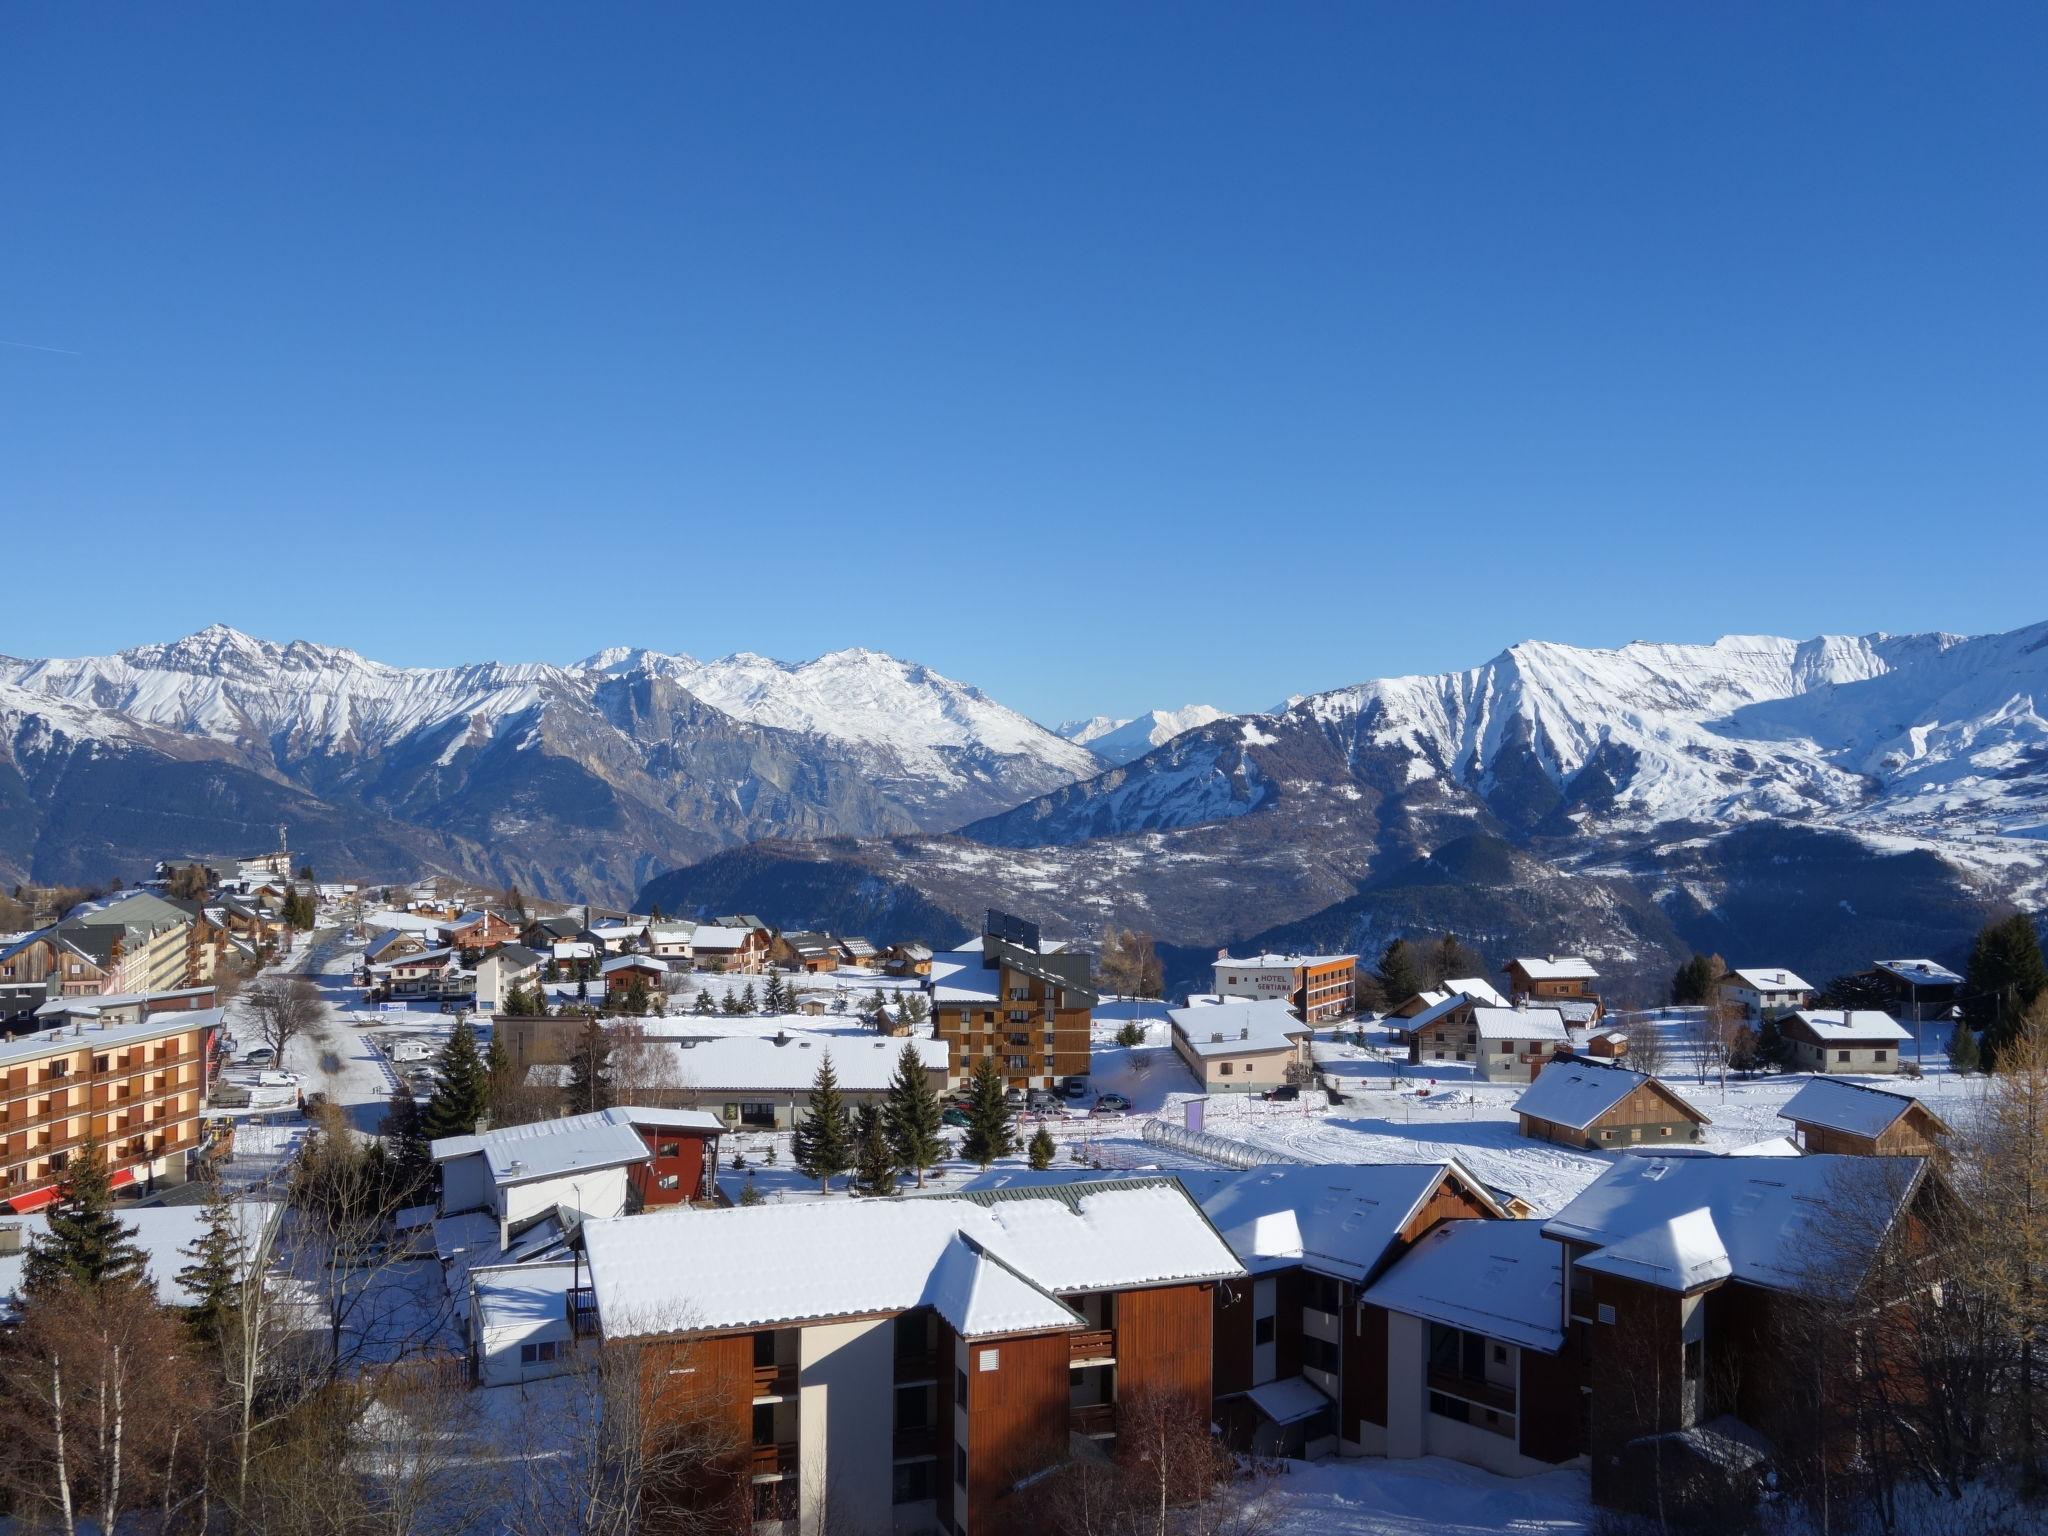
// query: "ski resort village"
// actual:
[[472, 1211]]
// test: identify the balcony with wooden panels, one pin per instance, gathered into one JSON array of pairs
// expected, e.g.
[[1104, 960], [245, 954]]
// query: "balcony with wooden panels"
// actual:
[[1090, 1345], [775, 1380], [778, 1460], [1092, 1419]]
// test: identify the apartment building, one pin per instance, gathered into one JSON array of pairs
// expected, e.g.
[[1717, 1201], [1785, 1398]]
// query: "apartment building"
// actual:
[[1319, 988], [921, 1355], [1239, 1046], [138, 1086], [1018, 997]]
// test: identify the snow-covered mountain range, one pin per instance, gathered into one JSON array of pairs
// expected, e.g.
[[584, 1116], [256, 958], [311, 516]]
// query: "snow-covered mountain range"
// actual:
[[581, 779], [1117, 741], [1916, 761]]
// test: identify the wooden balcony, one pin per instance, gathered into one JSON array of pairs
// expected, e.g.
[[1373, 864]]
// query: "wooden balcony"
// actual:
[[1094, 1344], [921, 1440], [1093, 1419], [1485, 1393], [917, 1365], [777, 1380], [773, 1460]]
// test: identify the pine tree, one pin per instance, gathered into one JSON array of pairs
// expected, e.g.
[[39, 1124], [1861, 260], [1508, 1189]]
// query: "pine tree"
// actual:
[[705, 1007], [823, 1143], [729, 1005], [590, 1088], [86, 1244], [773, 998], [749, 1003], [1449, 960], [1400, 972], [911, 1116], [214, 1277], [1962, 1048], [876, 1167], [412, 1154], [1041, 1149], [2005, 974], [990, 1134], [635, 998], [462, 1096], [1771, 1049]]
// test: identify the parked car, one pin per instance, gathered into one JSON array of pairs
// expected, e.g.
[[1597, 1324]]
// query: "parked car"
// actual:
[[277, 1079], [1285, 1093], [955, 1117], [262, 1056], [1074, 1088], [1112, 1104], [1044, 1101], [1014, 1097]]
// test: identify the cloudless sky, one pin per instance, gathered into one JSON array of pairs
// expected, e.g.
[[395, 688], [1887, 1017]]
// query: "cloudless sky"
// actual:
[[1105, 356]]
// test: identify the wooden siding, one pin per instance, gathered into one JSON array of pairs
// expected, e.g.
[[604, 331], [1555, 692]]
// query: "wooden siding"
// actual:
[[701, 1386], [1914, 1134], [1365, 1368], [1231, 1336], [1452, 1201], [1016, 1420], [1162, 1341], [1547, 1417], [1645, 1116]]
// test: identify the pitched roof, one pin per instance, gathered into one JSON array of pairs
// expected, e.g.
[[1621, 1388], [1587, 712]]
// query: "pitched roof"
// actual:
[[1681, 1254], [1829, 1025], [863, 1064], [1835, 1105], [1765, 980], [1520, 1023], [546, 1149], [1920, 973], [989, 1268], [1232, 1029], [1779, 1218], [1555, 968], [1500, 1278], [1576, 1094]]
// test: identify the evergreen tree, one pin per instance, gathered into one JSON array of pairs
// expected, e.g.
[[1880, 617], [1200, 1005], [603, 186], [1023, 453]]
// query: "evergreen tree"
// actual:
[[86, 1244], [1449, 960], [915, 1008], [1962, 1048], [412, 1154], [705, 1007], [1772, 1049], [1400, 972], [1693, 982], [911, 1116], [214, 1276], [462, 1096], [990, 1134], [1041, 1149], [729, 1005], [749, 1004], [2005, 974], [635, 999], [876, 1164], [823, 1143], [590, 1088], [773, 999], [876, 1002]]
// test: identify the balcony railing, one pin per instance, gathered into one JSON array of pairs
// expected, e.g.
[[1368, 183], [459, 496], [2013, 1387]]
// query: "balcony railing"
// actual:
[[1094, 1344], [1092, 1419], [776, 1380], [769, 1460], [917, 1365], [1485, 1393], [917, 1440]]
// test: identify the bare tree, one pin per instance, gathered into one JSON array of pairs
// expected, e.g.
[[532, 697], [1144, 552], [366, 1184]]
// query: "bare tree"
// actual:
[[1647, 1049], [2011, 1174], [284, 1008]]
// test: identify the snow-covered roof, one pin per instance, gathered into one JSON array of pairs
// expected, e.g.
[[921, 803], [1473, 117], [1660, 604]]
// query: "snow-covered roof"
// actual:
[[523, 1301], [713, 937], [672, 1119], [1445, 1003], [1575, 1094], [1759, 979], [546, 1149], [1266, 1024], [1920, 973], [162, 1232], [1289, 1400], [1832, 1024], [89, 1035], [1556, 968], [1504, 1279], [989, 1267], [1337, 1219], [632, 963], [1519, 1024], [1681, 1254], [862, 1064], [958, 976], [574, 949], [1478, 988], [1836, 1105], [1272, 961], [1771, 1212]]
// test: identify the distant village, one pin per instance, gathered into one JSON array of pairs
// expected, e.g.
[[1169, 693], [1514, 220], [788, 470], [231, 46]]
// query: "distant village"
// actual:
[[941, 1239]]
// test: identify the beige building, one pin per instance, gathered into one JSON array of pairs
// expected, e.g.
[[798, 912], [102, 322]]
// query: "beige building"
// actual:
[[1239, 1047], [1835, 1040]]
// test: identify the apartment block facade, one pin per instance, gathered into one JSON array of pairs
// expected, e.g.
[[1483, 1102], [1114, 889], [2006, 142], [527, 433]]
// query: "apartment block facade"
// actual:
[[1016, 998]]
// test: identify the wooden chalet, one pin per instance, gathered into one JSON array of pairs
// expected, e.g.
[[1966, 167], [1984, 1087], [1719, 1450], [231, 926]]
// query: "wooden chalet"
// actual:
[[1583, 1104], [1829, 1115]]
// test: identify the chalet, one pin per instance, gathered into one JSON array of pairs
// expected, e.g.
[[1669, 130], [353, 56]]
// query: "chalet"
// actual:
[[622, 971], [1764, 993], [755, 1083], [728, 947], [1554, 980], [1441, 1029], [814, 952], [618, 938], [671, 941], [543, 933], [1676, 1272], [950, 1350], [481, 930], [682, 1155], [1241, 1046], [1018, 997], [1476, 988], [1600, 1044], [1843, 1040], [859, 953], [1828, 1115], [1296, 1332], [907, 960], [506, 967], [1584, 1105], [1319, 988], [394, 943], [434, 973], [1517, 1042]]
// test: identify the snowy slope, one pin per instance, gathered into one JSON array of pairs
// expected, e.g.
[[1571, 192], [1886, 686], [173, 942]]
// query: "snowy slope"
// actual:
[[1119, 741]]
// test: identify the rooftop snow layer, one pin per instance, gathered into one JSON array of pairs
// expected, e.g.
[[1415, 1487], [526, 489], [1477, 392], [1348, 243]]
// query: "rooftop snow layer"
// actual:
[[1832, 1024], [863, 1064], [1576, 1094], [546, 1149], [1836, 1105], [1233, 1029], [1681, 1254], [1770, 980], [1504, 1279], [1520, 1024]]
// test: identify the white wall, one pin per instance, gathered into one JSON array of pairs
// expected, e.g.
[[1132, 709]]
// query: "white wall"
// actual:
[[845, 1421], [588, 1192], [465, 1185]]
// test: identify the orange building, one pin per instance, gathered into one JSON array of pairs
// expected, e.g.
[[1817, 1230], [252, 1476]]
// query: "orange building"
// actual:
[[1319, 988]]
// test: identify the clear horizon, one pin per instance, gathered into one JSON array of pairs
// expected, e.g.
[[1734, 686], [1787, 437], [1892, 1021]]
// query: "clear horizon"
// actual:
[[1105, 360]]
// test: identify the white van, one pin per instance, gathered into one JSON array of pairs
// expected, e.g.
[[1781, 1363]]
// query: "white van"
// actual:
[[409, 1050]]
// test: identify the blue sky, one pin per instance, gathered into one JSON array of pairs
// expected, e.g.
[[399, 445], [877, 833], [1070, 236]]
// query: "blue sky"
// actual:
[[1103, 356]]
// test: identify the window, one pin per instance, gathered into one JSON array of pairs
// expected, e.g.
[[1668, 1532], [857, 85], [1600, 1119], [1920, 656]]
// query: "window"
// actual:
[[764, 1349], [960, 1465], [1606, 1135], [764, 1424], [99, 1063], [669, 1149], [1841, 1055], [913, 1408], [1880, 1055], [1262, 1330], [1663, 1130], [758, 1114], [1225, 1069], [1321, 1293], [1019, 1063], [959, 1386], [1319, 1355], [669, 1181], [911, 1483], [537, 1354], [1500, 1354]]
